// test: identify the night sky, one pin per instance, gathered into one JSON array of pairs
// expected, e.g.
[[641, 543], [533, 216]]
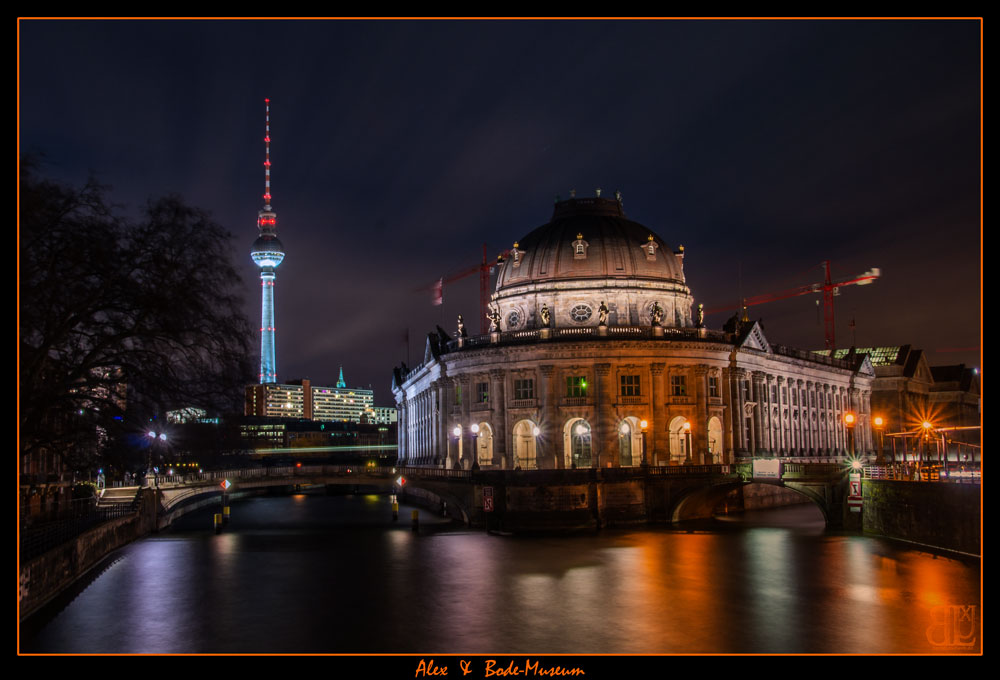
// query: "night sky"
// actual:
[[400, 147]]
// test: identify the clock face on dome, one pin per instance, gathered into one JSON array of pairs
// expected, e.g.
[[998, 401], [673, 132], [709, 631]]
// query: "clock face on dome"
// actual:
[[581, 313]]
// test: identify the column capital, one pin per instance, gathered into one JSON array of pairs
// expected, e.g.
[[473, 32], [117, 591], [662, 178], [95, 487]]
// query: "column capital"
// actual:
[[547, 370], [602, 369], [657, 368]]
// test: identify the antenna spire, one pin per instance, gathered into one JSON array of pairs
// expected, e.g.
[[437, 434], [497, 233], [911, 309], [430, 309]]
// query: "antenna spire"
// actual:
[[267, 154]]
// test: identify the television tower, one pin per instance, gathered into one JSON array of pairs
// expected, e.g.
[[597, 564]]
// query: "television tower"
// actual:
[[267, 253]]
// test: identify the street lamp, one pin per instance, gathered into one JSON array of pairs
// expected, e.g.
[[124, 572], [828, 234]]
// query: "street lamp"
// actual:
[[927, 427], [686, 430], [849, 421], [644, 424], [473, 442], [150, 470], [879, 424]]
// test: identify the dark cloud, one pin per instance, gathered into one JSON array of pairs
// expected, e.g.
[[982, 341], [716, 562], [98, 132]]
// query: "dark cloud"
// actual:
[[764, 147]]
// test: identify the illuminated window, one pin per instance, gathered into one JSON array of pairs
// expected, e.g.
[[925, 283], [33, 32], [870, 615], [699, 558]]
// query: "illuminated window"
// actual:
[[713, 386], [483, 392], [576, 386]]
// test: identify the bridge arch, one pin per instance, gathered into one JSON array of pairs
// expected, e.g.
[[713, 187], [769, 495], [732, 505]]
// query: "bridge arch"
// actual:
[[699, 502]]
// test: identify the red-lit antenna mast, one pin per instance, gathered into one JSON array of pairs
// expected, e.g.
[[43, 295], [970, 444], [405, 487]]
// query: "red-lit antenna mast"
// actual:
[[267, 154]]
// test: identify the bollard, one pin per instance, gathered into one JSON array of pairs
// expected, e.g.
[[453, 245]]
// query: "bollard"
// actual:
[[217, 521], [395, 511], [225, 514], [416, 519]]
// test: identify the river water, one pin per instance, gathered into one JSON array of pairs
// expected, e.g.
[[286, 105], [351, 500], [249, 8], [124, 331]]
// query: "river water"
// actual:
[[314, 573]]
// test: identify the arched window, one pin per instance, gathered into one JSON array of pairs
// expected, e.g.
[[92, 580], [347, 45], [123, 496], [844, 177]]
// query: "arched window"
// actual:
[[629, 442], [577, 443], [525, 445], [484, 445]]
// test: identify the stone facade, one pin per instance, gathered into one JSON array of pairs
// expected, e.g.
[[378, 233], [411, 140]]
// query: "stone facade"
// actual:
[[575, 392]]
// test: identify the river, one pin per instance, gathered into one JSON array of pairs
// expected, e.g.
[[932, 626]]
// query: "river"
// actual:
[[334, 574]]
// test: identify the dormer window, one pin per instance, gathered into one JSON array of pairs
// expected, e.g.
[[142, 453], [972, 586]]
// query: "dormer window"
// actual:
[[580, 248], [515, 255], [650, 248]]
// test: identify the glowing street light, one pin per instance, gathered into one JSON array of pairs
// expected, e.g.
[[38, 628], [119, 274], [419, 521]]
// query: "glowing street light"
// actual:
[[849, 421]]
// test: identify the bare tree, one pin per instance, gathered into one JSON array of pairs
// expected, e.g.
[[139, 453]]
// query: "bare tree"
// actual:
[[119, 314]]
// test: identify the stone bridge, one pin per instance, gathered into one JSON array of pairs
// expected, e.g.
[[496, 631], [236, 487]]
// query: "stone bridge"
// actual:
[[533, 499]]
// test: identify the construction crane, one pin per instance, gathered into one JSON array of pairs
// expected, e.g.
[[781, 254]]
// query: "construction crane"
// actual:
[[484, 268], [828, 287]]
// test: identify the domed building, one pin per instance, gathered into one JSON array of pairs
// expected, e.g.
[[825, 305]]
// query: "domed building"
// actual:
[[596, 358]]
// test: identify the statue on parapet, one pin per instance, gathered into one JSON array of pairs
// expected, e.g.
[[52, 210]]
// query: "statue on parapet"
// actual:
[[602, 314], [462, 333], [656, 314], [494, 317], [545, 316]]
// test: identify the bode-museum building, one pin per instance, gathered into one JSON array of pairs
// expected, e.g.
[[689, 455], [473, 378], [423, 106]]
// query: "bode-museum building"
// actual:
[[596, 358]]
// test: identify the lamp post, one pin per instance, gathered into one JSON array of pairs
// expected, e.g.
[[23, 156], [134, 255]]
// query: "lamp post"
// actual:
[[686, 431], [927, 427], [849, 421], [473, 444], [644, 424], [879, 427], [150, 470]]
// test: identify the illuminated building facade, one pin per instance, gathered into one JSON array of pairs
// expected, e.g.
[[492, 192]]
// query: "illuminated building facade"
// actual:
[[302, 399], [598, 360]]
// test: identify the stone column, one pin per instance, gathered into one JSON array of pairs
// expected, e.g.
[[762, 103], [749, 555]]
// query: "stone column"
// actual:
[[498, 408], [548, 444], [739, 437], [656, 433], [448, 453], [604, 439], [699, 439], [782, 418], [757, 424], [469, 451]]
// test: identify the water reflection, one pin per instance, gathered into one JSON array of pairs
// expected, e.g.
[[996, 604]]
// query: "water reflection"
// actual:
[[336, 574]]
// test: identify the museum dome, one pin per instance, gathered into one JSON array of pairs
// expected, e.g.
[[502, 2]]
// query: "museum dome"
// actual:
[[589, 253]]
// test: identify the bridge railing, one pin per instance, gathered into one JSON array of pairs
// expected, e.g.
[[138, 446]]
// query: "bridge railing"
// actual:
[[41, 533], [928, 473]]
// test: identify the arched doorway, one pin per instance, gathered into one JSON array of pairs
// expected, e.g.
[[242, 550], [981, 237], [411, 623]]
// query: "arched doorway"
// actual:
[[525, 450], [629, 442], [484, 445], [678, 440], [577, 443], [714, 440]]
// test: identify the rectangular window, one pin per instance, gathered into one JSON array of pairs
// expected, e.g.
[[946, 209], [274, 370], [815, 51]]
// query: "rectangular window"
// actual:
[[713, 386], [576, 386], [784, 395], [458, 395], [483, 392], [630, 386], [678, 385], [524, 388], [774, 393]]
